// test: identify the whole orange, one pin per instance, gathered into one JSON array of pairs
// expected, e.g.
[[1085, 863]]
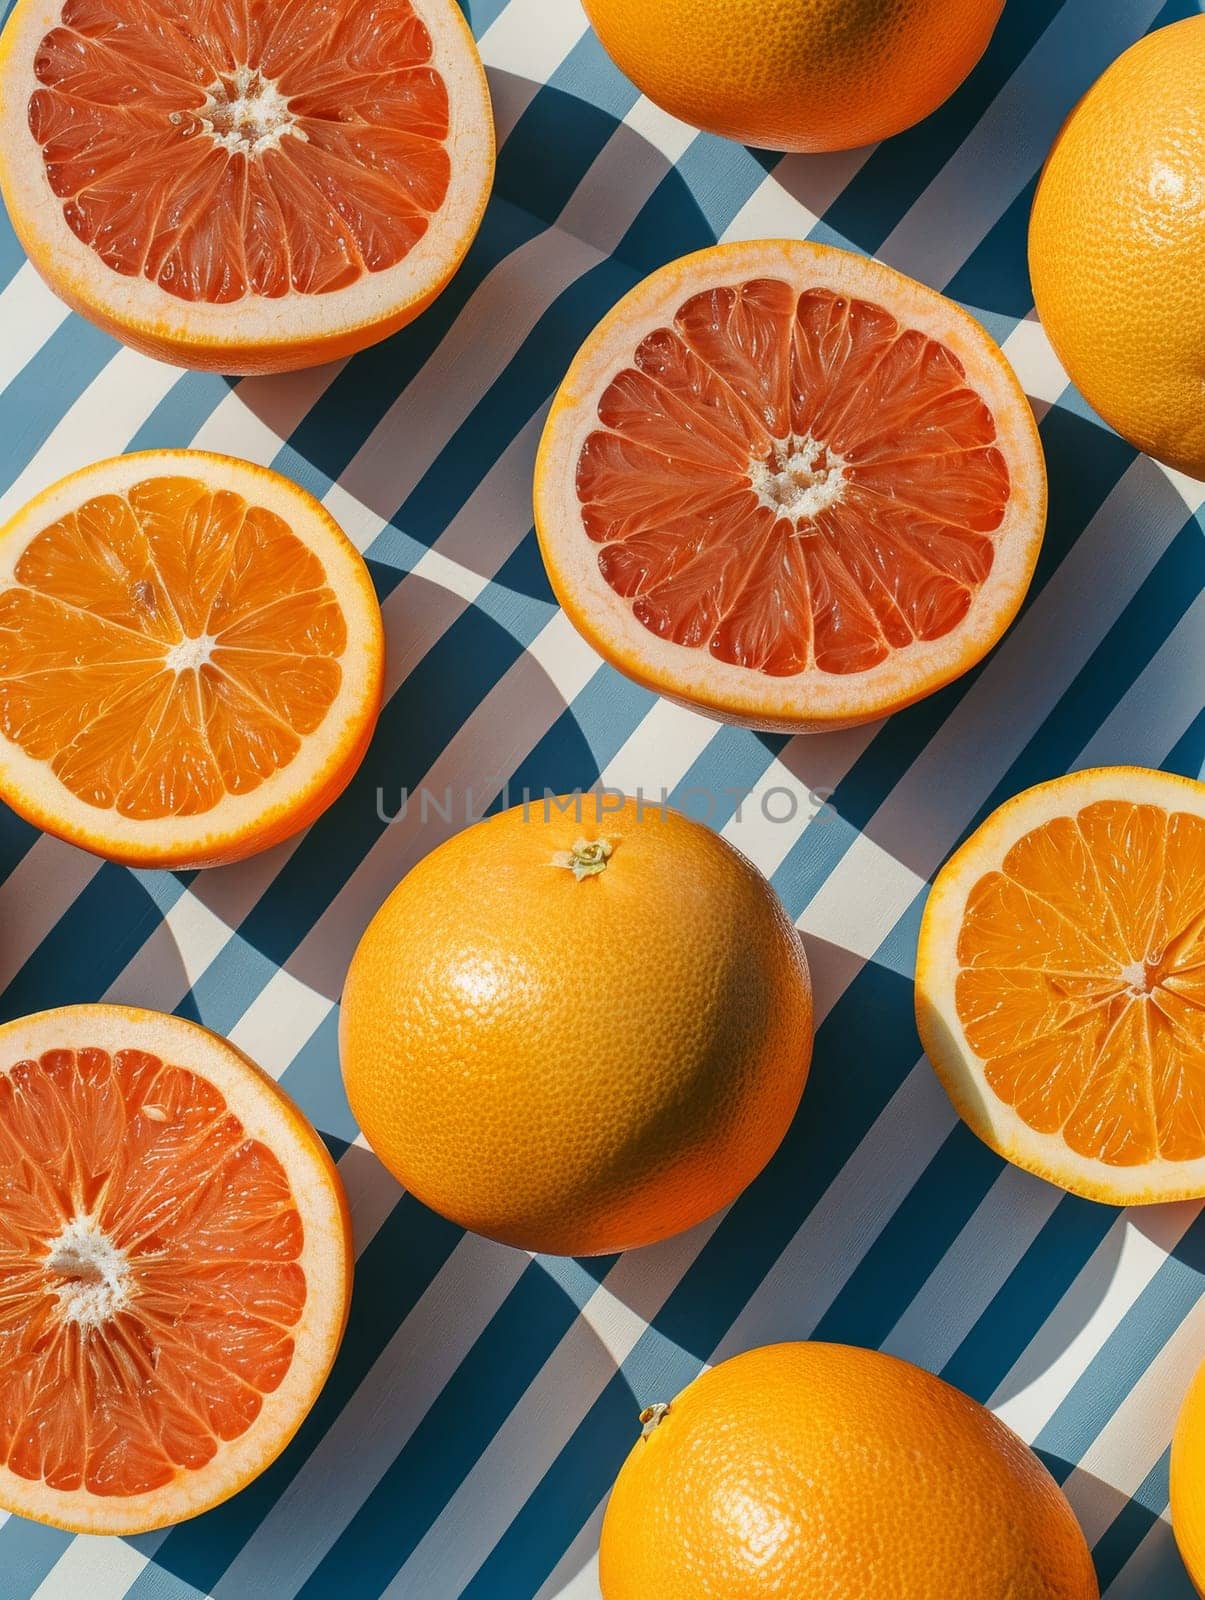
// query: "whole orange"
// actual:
[[823, 1472], [1188, 1481], [796, 74], [578, 1033], [1116, 242]]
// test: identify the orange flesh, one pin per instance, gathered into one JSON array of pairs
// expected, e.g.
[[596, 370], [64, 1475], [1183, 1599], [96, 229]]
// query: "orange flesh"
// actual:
[[118, 1384], [793, 481], [167, 647], [1083, 981], [226, 150]]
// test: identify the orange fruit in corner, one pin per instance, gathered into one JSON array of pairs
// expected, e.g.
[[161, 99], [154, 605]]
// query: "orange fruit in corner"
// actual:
[[1188, 1481], [824, 1472], [1116, 241], [796, 74], [250, 188], [1060, 983], [191, 659], [175, 1251], [790, 487], [577, 1033]]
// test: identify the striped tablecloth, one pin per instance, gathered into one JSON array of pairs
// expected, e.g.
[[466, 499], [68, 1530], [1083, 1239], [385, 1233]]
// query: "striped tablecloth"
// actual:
[[483, 1399]]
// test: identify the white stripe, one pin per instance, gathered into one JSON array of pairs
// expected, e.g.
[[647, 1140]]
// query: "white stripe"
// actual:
[[41, 888], [29, 315], [280, 1021], [533, 1435], [789, 202], [1076, 1331], [1118, 1460], [1011, 139], [1142, 1576], [970, 1273], [397, 1393], [100, 423], [94, 1565], [1161, 702]]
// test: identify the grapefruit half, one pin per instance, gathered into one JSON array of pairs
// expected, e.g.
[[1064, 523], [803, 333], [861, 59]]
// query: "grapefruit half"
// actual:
[[790, 487], [191, 659], [175, 1267], [244, 188], [1060, 983]]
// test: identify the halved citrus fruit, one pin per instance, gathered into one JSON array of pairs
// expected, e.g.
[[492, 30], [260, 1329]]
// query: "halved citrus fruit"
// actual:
[[1060, 986], [790, 487], [247, 188], [175, 1268], [191, 659]]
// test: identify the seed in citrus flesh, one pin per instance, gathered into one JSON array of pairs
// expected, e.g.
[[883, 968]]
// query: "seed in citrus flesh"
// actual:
[[1060, 984], [576, 1032], [191, 658], [824, 1472], [790, 487], [247, 188], [175, 1267]]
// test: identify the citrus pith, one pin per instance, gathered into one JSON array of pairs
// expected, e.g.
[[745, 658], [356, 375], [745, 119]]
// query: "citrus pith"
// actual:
[[1060, 983], [790, 487], [247, 189], [175, 1267], [191, 659]]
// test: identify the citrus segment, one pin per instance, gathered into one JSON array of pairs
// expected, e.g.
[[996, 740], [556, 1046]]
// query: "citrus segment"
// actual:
[[1073, 1025], [808, 491], [173, 1268], [170, 644], [210, 174]]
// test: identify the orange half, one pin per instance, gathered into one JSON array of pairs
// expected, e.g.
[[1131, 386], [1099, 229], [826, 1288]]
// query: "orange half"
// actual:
[[191, 659], [790, 487], [1060, 988], [247, 188], [175, 1268]]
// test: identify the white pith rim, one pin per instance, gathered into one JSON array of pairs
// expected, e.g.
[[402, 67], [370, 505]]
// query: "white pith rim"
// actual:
[[31, 787], [292, 319], [956, 1063], [694, 675], [267, 1115]]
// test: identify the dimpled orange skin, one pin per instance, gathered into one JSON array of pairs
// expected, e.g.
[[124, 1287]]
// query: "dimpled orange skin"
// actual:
[[824, 1472], [578, 1066], [1188, 1481], [796, 74], [1116, 241]]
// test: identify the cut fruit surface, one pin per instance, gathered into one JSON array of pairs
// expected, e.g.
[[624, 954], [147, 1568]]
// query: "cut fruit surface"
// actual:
[[247, 188], [1061, 983], [191, 658], [790, 487], [175, 1267]]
